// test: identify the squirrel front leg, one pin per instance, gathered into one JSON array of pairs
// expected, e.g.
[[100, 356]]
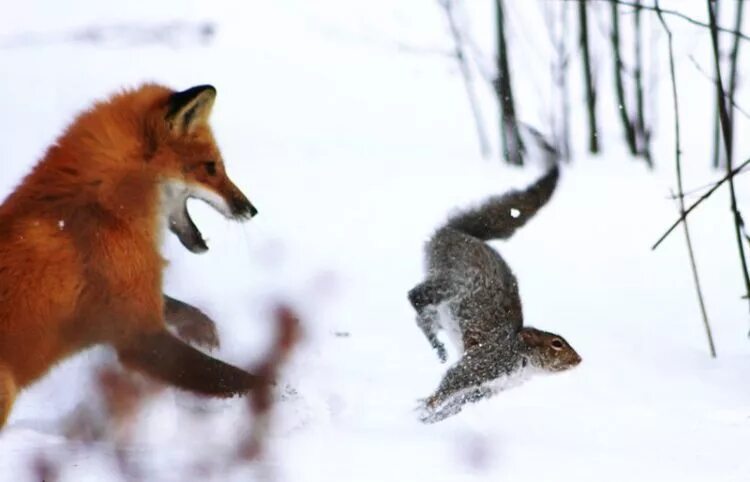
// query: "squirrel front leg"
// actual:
[[192, 324], [461, 384], [427, 322], [424, 298], [164, 357]]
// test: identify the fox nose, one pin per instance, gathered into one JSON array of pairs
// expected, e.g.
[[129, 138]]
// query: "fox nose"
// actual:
[[242, 207]]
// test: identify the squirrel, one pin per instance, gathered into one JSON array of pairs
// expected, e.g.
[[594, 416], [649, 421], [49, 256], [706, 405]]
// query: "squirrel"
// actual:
[[471, 292]]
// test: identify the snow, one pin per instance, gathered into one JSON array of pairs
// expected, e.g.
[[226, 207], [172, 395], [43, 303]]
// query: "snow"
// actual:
[[353, 138]]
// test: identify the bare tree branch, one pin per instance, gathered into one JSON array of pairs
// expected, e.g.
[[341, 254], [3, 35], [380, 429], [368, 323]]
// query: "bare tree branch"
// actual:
[[708, 193], [726, 130], [458, 42], [680, 15], [681, 199], [734, 104], [695, 190]]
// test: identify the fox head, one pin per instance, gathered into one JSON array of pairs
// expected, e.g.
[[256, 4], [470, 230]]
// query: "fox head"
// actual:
[[183, 148]]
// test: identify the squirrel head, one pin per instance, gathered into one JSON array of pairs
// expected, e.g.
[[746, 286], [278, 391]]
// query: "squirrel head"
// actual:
[[547, 351]]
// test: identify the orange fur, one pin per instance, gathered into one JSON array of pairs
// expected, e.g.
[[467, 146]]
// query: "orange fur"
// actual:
[[80, 236]]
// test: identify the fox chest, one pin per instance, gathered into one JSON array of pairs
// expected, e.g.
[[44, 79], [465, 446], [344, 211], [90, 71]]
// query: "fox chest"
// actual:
[[118, 253]]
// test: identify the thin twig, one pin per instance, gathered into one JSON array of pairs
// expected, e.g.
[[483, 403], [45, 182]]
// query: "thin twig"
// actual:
[[680, 15], [696, 190], [463, 66], [726, 130], [731, 101], [699, 201], [681, 199]]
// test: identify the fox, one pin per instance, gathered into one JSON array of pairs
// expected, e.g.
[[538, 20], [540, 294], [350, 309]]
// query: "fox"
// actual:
[[471, 293], [80, 237]]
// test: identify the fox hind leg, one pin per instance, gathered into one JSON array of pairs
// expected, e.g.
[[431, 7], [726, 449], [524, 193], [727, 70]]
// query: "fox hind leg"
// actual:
[[7, 394]]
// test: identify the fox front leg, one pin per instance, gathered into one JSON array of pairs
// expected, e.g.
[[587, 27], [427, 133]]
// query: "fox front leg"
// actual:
[[192, 324], [7, 393], [164, 357]]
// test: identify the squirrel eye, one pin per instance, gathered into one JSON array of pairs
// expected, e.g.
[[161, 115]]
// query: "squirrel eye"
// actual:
[[210, 167], [557, 344]]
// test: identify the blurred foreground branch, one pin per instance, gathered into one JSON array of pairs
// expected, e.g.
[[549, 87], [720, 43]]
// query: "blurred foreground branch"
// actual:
[[173, 34]]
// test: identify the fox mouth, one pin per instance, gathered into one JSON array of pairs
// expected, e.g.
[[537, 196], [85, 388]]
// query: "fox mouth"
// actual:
[[182, 225]]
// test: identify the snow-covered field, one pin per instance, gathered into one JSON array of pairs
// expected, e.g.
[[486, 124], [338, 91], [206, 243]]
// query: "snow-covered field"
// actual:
[[355, 140]]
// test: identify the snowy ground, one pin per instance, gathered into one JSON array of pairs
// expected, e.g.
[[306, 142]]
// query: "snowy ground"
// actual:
[[354, 148]]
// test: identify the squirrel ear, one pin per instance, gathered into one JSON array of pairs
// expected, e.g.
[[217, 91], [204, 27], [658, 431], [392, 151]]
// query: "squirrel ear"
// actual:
[[529, 336], [190, 108]]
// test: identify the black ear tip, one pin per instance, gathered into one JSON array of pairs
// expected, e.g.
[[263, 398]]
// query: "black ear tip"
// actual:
[[201, 88], [179, 99]]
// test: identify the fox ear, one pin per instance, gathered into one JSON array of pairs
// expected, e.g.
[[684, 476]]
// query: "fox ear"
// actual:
[[190, 108]]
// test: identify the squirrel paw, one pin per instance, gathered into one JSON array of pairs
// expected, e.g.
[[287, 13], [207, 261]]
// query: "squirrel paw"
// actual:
[[441, 353], [424, 413]]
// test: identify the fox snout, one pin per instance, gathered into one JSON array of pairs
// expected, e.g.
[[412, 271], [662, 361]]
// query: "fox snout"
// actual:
[[228, 200], [240, 206]]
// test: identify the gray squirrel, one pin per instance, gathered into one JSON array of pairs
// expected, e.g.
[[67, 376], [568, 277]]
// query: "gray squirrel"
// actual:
[[471, 293]]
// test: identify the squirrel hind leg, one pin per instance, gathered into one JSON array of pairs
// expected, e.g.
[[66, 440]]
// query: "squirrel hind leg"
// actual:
[[164, 357], [8, 391], [432, 291]]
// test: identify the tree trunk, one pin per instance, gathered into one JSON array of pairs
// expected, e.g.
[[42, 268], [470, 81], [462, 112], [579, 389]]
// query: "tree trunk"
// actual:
[[509, 132], [622, 107], [642, 135], [733, 67], [717, 157], [588, 78]]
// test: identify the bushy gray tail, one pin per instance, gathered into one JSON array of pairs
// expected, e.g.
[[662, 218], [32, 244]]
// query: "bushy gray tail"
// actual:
[[500, 216]]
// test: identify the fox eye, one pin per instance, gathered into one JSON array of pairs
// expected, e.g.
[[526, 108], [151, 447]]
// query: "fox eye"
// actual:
[[210, 167], [557, 344]]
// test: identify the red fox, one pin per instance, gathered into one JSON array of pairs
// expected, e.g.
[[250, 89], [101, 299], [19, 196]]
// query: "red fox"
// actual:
[[80, 237]]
